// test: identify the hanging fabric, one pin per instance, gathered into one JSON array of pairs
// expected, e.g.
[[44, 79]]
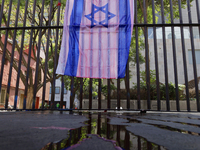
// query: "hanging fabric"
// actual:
[[96, 38]]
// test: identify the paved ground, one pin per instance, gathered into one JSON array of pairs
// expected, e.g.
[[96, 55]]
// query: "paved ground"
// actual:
[[34, 130]]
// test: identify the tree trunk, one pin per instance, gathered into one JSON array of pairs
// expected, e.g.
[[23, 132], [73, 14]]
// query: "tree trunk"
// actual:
[[29, 100]]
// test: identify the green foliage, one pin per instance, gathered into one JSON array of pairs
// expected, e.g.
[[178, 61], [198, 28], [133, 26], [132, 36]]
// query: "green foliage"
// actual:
[[153, 88], [105, 89]]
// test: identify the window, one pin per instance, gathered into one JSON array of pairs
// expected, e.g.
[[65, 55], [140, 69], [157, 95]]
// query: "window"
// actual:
[[57, 90], [197, 55]]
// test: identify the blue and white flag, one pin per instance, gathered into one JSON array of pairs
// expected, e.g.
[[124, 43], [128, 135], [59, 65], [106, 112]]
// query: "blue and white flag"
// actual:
[[96, 38]]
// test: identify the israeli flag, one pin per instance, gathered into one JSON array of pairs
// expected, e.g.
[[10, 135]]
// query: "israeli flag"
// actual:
[[96, 38]]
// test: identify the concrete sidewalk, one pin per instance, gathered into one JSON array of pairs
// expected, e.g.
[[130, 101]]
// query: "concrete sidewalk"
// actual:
[[34, 130]]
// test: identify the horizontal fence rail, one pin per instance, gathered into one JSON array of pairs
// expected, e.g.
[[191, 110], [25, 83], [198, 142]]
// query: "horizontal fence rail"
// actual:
[[162, 73]]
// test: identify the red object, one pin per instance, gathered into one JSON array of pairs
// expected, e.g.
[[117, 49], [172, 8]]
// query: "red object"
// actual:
[[105, 110], [59, 4], [37, 103]]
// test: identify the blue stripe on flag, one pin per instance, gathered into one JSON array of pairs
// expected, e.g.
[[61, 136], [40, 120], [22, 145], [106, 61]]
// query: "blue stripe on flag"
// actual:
[[124, 36], [74, 29]]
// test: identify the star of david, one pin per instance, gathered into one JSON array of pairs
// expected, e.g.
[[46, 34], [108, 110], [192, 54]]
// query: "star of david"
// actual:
[[103, 9]]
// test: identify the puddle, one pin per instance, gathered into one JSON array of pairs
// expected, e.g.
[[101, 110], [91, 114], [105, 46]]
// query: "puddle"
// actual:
[[98, 125]]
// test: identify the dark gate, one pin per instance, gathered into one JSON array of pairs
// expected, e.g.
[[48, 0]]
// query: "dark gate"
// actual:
[[162, 73]]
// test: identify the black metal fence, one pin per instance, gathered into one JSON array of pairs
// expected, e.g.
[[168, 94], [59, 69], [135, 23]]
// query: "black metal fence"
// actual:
[[164, 53]]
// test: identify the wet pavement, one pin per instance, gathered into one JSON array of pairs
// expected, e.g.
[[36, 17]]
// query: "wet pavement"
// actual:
[[96, 131]]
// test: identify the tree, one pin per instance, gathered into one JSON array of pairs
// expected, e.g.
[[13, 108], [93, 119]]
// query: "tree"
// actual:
[[39, 35]]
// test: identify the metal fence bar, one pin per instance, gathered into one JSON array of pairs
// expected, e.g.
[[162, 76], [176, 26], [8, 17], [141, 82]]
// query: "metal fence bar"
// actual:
[[90, 93], [47, 55], [174, 57], [147, 59], [99, 94], [29, 56], [135, 25], [184, 57], [198, 17], [139, 143], [165, 58], [108, 96], [62, 92], [118, 94], [100, 51], [81, 93], [156, 58], [99, 124], [12, 57], [56, 54], [128, 85], [38, 57], [5, 45], [137, 59], [20, 56], [91, 60], [72, 93], [193, 55]]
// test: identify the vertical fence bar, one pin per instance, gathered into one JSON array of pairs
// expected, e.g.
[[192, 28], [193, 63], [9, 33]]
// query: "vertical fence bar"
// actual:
[[1, 13], [139, 143], [156, 58], [127, 140], [174, 57], [91, 59], [147, 56], [46, 56], [128, 85], [118, 135], [198, 16], [108, 98], [165, 57], [90, 94], [81, 93], [56, 55], [29, 56], [100, 75], [99, 94], [99, 124], [108, 129], [137, 59], [72, 93], [20, 56], [62, 92], [149, 146], [193, 55], [38, 57], [184, 56], [5, 45], [12, 56], [118, 94], [109, 52], [89, 123]]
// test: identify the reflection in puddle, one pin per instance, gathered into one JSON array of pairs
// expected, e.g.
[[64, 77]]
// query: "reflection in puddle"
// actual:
[[98, 124]]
